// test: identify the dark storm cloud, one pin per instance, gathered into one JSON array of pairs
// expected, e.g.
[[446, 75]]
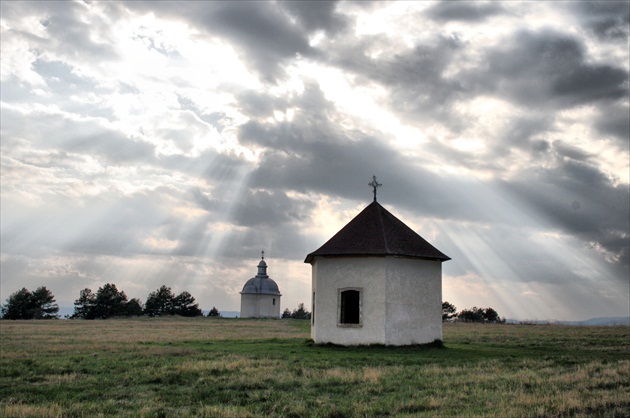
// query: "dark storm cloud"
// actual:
[[613, 120], [261, 31], [314, 122], [314, 15], [314, 154], [572, 152], [68, 32], [417, 87], [548, 69], [328, 167], [522, 129], [538, 69], [264, 218], [465, 11], [575, 195], [333, 163], [578, 197], [260, 207], [311, 153], [257, 105], [284, 241], [609, 20]]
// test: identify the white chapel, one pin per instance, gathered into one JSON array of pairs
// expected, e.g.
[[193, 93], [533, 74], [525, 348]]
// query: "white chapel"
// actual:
[[376, 282], [260, 297]]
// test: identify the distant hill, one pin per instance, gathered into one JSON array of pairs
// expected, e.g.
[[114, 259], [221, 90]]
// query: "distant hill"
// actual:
[[603, 321], [607, 320]]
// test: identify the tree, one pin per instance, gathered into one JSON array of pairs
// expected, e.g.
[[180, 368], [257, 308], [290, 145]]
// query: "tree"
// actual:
[[17, 305], [23, 304], [479, 315], [214, 312], [184, 305], [286, 313], [490, 315], [109, 302], [448, 311], [300, 312], [134, 308], [164, 302], [471, 315], [43, 304], [161, 302], [84, 306]]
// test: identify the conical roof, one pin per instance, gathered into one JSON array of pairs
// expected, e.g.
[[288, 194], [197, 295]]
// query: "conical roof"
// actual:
[[376, 232]]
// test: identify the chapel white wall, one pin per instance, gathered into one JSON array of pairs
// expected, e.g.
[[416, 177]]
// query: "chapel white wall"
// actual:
[[413, 301], [401, 300], [260, 306]]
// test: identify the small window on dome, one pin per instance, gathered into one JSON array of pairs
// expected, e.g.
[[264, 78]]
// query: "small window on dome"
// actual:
[[350, 300]]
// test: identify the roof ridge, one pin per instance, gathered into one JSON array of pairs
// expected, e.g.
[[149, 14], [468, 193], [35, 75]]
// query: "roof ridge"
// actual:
[[380, 219]]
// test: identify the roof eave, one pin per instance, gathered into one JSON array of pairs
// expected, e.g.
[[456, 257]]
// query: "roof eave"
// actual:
[[311, 257]]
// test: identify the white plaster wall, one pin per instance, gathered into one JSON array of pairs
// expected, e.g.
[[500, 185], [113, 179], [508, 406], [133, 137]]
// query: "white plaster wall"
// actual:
[[401, 305], [259, 306], [413, 301], [332, 274]]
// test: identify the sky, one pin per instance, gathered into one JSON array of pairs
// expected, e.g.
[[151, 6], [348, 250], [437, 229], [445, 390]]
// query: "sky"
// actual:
[[151, 143]]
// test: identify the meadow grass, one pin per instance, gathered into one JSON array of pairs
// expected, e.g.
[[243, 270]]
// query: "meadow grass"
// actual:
[[162, 367]]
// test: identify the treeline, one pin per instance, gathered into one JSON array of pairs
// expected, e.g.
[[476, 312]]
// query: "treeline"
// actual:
[[109, 302], [106, 302], [299, 313], [475, 314], [25, 304]]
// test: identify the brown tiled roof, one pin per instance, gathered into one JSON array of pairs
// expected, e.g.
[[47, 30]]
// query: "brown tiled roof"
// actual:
[[376, 232]]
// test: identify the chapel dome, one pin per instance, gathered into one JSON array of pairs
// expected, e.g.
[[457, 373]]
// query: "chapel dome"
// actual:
[[261, 284]]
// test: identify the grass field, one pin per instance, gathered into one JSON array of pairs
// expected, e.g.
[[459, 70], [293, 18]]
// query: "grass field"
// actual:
[[240, 368]]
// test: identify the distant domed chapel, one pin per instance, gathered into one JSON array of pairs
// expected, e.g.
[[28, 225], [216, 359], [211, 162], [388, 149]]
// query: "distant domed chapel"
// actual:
[[260, 297]]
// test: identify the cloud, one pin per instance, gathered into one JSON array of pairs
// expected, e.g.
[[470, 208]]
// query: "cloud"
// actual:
[[68, 29], [152, 143], [270, 209], [609, 20], [613, 121], [582, 200], [464, 11], [544, 67], [262, 34], [418, 88], [315, 16]]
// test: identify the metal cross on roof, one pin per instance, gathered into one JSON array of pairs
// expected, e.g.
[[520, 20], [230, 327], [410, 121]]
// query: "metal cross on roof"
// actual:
[[262, 254], [374, 184]]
